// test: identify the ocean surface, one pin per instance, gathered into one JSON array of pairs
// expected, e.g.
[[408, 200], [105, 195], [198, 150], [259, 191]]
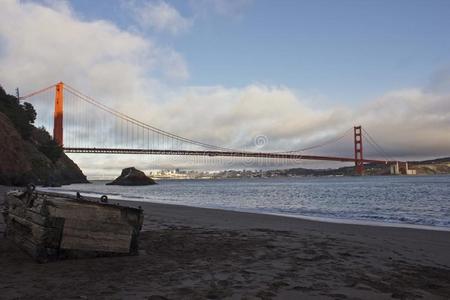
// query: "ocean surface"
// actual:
[[404, 200]]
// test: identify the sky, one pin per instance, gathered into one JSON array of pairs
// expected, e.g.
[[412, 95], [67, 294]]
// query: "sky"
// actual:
[[347, 51], [295, 72]]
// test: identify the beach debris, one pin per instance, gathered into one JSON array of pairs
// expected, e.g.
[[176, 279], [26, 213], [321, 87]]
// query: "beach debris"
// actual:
[[104, 199], [50, 226]]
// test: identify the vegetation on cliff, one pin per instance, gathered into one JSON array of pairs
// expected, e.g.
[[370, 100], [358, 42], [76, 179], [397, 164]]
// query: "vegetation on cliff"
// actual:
[[22, 116], [29, 154]]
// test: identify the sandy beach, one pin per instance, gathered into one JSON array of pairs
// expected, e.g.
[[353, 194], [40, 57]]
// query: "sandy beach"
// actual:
[[196, 253]]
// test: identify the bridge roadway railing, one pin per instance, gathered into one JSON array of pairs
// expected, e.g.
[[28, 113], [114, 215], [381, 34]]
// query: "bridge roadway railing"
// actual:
[[277, 155]]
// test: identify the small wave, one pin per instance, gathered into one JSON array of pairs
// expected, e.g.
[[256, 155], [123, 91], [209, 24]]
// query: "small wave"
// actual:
[[124, 196]]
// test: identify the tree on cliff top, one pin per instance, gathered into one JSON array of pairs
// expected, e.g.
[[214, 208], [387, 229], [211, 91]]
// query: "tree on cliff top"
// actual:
[[21, 115]]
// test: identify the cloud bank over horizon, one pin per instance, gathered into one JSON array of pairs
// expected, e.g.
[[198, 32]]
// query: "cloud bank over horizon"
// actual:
[[149, 80]]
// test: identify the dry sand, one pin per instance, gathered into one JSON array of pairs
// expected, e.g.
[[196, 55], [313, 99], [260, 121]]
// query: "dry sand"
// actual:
[[195, 253]]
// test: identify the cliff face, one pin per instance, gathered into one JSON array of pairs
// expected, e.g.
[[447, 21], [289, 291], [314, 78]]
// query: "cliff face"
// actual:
[[14, 164], [22, 161]]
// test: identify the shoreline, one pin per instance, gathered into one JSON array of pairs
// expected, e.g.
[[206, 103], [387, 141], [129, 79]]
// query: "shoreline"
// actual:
[[221, 218], [348, 221], [196, 253]]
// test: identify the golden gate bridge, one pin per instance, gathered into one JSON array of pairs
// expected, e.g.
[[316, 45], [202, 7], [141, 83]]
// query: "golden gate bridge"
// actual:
[[77, 129]]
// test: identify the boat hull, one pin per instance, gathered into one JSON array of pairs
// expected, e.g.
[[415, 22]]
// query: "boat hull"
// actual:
[[51, 226]]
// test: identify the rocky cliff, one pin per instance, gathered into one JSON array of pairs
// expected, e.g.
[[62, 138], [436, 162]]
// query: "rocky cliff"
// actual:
[[24, 161]]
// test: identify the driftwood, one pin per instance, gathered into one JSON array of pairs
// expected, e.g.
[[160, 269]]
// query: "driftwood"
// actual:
[[49, 226]]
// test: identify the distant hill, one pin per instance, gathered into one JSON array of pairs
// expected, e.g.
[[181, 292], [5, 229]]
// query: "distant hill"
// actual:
[[427, 167], [28, 154], [344, 171], [434, 166], [444, 160]]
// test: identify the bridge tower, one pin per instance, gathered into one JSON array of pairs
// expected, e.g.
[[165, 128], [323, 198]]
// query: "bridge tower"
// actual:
[[58, 114], [359, 160]]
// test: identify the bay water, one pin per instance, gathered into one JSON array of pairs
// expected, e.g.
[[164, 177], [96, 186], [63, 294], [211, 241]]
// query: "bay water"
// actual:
[[417, 201]]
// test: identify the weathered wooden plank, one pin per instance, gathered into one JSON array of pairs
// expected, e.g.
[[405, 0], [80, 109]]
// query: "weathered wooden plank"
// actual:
[[24, 243], [95, 226], [18, 204], [50, 224], [84, 212], [96, 214], [35, 249], [35, 217], [114, 211], [109, 242], [48, 236]]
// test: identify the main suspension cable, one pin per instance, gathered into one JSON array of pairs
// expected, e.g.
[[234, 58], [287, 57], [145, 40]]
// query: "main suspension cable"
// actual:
[[139, 123], [334, 140], [36, 92], [173, 136], [377, 147]]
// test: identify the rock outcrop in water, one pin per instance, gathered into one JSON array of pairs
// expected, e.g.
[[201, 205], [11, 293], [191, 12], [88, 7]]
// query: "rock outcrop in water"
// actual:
[[132, 176]]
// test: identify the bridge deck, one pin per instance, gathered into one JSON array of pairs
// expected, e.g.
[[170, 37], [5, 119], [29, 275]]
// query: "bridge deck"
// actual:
[[289, 156]]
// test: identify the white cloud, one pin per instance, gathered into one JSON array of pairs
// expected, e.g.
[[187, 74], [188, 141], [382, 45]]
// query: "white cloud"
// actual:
[[233, 117], [410, 123], [160, 16], [49, 45]]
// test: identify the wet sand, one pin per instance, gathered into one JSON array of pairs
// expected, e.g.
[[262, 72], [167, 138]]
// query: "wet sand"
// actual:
[[196, 253]]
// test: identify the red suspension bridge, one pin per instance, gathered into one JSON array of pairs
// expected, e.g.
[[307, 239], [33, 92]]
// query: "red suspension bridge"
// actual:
[[82, 124]]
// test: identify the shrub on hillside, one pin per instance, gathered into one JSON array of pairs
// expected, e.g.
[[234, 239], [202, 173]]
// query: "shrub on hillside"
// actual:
[[47, 145], [21, 115]]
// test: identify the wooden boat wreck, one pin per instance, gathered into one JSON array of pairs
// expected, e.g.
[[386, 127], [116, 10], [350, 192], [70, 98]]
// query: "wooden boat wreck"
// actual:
[[49, 226]]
